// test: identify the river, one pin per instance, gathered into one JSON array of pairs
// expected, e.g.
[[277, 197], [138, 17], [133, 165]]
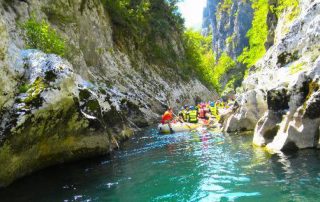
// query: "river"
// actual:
[[197, 166]]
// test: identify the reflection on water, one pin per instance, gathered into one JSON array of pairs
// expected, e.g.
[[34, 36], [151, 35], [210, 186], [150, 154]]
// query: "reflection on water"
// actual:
[[196, 166]]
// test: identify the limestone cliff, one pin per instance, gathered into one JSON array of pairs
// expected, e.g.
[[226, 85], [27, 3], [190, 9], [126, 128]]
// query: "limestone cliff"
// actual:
[[55, 109], [229, 22], [279, 99]]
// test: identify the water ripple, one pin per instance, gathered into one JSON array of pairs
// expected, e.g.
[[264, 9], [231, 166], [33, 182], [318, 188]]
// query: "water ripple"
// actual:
[[196, 166]]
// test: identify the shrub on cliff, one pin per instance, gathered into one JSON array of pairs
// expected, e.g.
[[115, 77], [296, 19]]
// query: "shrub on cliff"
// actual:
[[257, 35], [202, 60], [224, 65], [39, 35], [140, 22], [200, 56], [225, 6], [287, 4]]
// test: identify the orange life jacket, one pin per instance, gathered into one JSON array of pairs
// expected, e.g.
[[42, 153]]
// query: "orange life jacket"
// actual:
[[167, 116]]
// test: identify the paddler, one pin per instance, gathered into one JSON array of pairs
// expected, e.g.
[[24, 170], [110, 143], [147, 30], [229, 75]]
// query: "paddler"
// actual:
[[213, 109], [202, 112], [183, 114], [193, 115], [167, 117]]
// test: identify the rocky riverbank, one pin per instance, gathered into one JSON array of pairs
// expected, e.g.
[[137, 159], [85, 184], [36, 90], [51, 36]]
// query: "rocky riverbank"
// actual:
[[56, 109], [279, 100]]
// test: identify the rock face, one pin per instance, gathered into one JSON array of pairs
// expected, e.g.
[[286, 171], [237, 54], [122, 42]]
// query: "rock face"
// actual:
[[287, 78], [229, 23], [252, 105], [53, 110]]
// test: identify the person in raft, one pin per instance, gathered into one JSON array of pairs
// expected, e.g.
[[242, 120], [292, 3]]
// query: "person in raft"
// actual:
[[202, 112], [183, 114], [193, 115], [167, 117]]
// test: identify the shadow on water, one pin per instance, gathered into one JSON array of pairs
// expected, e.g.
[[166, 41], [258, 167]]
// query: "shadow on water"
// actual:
[[195, 166]]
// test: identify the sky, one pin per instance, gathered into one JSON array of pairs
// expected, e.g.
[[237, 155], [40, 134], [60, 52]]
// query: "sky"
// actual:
[[192, 11]]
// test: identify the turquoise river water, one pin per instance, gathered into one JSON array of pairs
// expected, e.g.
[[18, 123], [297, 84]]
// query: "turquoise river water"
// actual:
[[195, 166]]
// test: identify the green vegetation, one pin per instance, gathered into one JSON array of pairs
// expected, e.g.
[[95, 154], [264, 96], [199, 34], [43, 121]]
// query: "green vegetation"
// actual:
[[257, 35], [296, 68], [39, 35], [202, 59], [200, 56], [229, 39], [34, 90], [312, 87], [150, 26], [24, 88], [127, 12], [225, 6], [285, 5], [259, 31], [224, 65], [230, 86], [234, 81]]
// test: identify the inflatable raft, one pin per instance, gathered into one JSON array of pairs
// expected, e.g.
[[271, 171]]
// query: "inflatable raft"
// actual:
[[177, 127]]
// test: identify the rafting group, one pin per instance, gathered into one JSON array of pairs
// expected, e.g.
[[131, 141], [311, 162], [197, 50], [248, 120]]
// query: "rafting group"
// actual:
[[193, 117]]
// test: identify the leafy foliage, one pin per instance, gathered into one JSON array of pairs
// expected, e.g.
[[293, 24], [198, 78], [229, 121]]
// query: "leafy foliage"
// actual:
[[297, 67], [224, 65], [257, 35], [24, 88], [143, 21], [202, 59], [230, 39], [259, 31], [286, 4], [225, 5], [39, 35]]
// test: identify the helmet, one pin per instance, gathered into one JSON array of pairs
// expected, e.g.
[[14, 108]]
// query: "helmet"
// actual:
[[192, 107], [186, 106]]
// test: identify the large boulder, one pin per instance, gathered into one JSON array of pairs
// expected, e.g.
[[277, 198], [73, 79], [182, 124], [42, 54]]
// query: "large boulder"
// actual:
[[294, 123], [267, 128], [253, 105], [57, 116], [300, 129]]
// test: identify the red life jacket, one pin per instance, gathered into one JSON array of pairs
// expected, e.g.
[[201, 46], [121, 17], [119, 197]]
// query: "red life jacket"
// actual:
[[202, 113]]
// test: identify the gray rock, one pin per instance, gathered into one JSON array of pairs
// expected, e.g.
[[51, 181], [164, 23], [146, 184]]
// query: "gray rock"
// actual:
[[289, 74], [253, 105], [267, 127], [55, 109], [287, 78], [233, 23]]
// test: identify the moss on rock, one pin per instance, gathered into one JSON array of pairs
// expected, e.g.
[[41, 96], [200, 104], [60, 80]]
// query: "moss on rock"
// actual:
[[48, 151], [54, 134], [34, 92]]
